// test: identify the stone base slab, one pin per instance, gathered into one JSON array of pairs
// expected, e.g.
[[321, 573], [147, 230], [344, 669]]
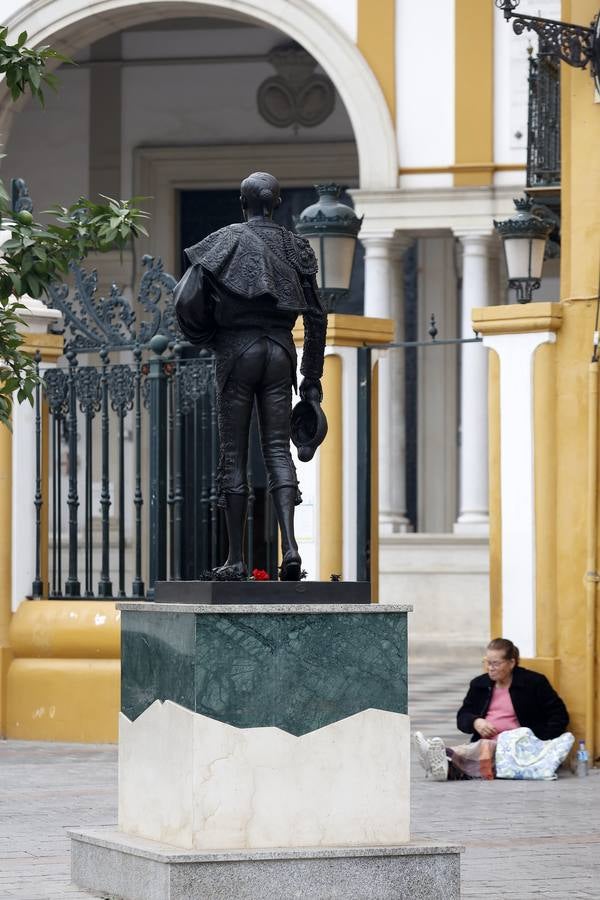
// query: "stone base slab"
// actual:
[[446, 578], [119, 867]]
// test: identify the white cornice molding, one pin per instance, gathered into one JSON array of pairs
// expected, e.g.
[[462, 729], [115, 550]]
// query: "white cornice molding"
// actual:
[[433, 210]]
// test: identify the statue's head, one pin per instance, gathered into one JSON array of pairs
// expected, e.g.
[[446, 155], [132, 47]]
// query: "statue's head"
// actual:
[[259, 195]]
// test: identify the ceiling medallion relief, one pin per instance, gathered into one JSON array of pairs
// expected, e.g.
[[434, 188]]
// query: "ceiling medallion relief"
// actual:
[[296, 96]]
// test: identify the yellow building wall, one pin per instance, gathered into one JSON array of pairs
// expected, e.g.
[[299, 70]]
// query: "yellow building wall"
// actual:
[[5, 563], [474, 93], [376, 40], [580, 267], [331, 476], [566, 503]]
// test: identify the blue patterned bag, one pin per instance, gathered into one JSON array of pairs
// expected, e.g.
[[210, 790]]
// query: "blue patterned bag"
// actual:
[[520, 754]]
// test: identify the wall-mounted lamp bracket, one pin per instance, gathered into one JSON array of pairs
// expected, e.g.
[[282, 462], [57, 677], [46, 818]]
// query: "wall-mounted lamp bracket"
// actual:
[[575, 45]]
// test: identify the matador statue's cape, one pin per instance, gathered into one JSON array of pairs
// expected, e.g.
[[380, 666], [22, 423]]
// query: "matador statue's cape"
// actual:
[[247, 281]]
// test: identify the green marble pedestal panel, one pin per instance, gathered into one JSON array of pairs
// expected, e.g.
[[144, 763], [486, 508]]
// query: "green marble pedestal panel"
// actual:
[[292, 667]]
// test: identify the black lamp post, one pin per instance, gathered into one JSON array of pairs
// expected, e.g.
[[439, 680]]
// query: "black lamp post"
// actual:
[[574, 44], [524, 239], [332, 230]]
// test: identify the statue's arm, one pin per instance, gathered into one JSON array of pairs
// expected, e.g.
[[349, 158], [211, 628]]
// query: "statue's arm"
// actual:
[[315, 329], [194, 307]]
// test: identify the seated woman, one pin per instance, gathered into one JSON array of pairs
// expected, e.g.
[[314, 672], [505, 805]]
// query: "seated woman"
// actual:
[[508, 698]]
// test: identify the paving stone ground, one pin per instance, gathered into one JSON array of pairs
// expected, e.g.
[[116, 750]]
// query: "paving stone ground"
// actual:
[[523, 840]]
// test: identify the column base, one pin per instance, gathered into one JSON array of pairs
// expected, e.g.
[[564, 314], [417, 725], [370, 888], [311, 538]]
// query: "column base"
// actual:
[[107, 862], [472, 525], [390, 524]]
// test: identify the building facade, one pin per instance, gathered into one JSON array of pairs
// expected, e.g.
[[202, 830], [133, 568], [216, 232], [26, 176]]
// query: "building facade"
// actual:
[[421, 110]]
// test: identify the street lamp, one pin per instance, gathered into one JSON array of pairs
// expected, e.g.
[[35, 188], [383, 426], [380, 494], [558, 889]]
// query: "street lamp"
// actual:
[[524, 238], [332, 230]]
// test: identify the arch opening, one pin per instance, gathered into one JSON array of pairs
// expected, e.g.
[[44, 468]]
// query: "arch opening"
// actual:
[[69, 26]]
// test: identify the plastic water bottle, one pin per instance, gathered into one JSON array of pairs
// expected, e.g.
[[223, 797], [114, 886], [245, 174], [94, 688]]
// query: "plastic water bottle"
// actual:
[[582, 760]]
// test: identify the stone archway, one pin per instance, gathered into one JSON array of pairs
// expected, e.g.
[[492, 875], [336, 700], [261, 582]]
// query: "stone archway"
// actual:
[[69, 25]]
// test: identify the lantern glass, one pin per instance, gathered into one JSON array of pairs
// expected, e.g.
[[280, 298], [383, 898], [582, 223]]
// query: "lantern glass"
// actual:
[[335, 257], [524, 257]]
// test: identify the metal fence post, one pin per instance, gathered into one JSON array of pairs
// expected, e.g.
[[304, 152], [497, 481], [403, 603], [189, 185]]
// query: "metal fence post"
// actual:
[[363, 457], [157, 525], [105, 584], [73, 585], [37, 588]]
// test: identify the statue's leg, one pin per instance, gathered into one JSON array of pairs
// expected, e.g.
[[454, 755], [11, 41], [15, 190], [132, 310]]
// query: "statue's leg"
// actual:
[[284, 500], [236, 506], [274, 405], [234, 411]]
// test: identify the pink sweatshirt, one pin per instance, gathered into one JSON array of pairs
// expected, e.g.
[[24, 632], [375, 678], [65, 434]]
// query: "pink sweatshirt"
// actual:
[[501, 712]]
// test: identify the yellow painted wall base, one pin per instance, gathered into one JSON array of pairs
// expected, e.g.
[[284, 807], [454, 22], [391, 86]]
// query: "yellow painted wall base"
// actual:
[[63, 700], [6, 657], [64, 681], [66, 629], [545, 665], [331, 528]]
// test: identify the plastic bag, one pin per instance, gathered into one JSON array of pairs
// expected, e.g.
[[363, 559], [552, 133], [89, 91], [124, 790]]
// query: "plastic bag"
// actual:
[[520, 754]]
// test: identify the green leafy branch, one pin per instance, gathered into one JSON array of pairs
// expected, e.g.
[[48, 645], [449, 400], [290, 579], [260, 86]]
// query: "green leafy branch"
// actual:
[[17, 369], [35, 255], [26, 69]]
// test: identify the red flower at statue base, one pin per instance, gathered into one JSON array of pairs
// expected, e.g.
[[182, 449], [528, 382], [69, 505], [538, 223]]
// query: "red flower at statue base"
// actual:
[[260, 575]]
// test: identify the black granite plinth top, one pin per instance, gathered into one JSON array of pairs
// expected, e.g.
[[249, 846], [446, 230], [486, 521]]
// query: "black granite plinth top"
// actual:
[[259, 592]]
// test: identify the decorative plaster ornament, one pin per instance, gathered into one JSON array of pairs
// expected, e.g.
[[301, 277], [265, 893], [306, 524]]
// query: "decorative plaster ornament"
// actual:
[[295, 96]]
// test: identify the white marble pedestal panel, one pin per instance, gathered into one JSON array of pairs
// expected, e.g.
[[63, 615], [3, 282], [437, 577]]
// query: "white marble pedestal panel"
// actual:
[[250, 788]]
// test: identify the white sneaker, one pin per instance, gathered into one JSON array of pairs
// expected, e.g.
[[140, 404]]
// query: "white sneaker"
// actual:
[[422, 745], [438, 759], [432, 756]]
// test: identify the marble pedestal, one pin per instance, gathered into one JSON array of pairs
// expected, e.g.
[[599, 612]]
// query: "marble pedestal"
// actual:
[[247, 729]]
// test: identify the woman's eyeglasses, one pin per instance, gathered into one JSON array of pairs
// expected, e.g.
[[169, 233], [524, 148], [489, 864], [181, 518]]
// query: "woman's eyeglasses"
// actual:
[[494, 663]]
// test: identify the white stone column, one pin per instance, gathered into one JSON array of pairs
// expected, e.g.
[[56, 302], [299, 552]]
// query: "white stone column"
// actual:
[[38, 319], [384, 298], [517, 485], [473, 509]]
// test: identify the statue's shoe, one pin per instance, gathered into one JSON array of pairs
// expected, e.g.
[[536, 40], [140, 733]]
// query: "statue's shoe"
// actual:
[[234, 572], [291, 567]]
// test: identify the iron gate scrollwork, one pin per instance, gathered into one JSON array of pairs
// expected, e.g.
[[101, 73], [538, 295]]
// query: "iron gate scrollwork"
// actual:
[[130, 444]]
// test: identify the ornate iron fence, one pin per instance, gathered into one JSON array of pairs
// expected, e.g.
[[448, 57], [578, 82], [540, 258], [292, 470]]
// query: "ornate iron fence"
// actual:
[[127, 422]]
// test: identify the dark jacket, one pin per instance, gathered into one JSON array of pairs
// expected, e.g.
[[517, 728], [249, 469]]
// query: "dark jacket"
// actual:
[[536, 704]]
